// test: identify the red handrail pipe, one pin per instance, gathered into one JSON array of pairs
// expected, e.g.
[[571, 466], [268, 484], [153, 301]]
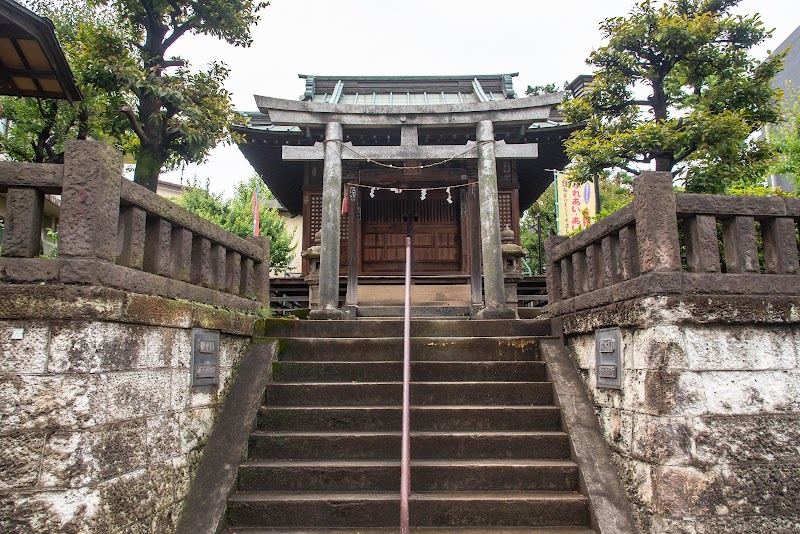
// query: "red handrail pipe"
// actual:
[[405, 449]]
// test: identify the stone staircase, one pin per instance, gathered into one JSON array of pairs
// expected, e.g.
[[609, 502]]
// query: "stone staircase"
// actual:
[[488, 449]]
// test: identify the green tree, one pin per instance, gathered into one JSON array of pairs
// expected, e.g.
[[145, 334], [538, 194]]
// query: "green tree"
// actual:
[[177, 114], [785, 137], [236, 216], [38, 127], [675, 86]]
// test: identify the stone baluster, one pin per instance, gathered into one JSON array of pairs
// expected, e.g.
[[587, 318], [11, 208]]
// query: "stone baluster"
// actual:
[[131, 232], [702, 250], [218, 266], [201, 261], [780, 245], [233, 272], [739, 240], [181, 254], [157, 245], [22, 236]]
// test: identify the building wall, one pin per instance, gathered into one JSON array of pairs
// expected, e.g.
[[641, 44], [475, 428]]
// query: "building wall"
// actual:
[[786, 80], [100, 430], [705, 431]]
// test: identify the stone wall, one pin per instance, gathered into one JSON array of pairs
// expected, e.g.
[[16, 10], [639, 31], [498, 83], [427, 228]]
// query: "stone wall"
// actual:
[[705, 431], [100, 429]]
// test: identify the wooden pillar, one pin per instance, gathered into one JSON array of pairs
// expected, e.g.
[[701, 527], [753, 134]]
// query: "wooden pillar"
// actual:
[[331, 222], [494, 290]]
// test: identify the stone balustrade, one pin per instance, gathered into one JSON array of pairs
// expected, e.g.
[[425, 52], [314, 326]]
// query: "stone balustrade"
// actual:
[[115, 233], [666, 243]]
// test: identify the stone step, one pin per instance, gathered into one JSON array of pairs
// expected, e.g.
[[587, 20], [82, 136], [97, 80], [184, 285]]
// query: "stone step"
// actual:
[[423, 418], [439, 311], [282, 328], [424, 445], [421, 294], [414, 530], [475, 509], [426, 475], [310, 371], [422, 349], [422, 393]]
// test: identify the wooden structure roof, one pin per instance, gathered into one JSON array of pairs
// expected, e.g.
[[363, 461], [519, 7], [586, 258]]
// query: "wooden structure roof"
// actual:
[[265, 139], [31, 60]]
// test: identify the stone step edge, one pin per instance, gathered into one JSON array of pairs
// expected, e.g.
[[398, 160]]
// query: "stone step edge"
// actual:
[[283, 496]]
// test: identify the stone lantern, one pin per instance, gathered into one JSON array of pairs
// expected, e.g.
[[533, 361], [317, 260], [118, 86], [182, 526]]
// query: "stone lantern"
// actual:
[[512, 273], [312, 254]]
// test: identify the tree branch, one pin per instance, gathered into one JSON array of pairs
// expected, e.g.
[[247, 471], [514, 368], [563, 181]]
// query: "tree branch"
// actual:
[[172, 63], [137, 128], [177, 32]]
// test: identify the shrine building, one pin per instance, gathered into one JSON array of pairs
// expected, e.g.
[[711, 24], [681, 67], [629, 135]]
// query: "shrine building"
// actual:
[[450, 161]]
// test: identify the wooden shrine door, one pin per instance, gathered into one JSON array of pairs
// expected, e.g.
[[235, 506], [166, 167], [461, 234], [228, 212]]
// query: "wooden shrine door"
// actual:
[[433, 224]]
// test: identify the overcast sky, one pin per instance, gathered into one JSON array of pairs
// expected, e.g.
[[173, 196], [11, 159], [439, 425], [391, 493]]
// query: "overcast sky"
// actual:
[[545, 41]]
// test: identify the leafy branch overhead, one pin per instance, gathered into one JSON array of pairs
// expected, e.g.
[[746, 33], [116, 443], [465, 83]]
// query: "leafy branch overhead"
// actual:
[[178, 114], [676, 87]]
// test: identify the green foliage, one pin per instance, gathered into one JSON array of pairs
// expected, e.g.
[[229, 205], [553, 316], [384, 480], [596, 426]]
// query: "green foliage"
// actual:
[[236, 216], [534, 90], [785, 137], [37, 128], [615, 193], [704, 96], [178, 114]]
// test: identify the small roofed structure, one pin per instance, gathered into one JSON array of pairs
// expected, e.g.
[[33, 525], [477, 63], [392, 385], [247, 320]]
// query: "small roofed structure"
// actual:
[[31, 60], [446, 160]]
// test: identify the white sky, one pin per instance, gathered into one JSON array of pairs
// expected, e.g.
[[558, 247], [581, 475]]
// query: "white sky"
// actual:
[[545, 41]]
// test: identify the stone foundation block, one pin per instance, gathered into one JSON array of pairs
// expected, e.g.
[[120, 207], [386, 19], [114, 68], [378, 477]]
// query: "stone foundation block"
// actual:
[[19, 459], [44, 402], [27, 355], [135, 394]]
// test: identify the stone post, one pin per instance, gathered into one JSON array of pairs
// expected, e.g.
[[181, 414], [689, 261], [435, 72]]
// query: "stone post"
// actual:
[[494, 290], [656, 222], [331, 222], [261, 271], [90, 201], [554, 283]]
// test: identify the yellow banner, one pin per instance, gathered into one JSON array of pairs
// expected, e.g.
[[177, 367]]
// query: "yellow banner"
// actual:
[[575, 203]]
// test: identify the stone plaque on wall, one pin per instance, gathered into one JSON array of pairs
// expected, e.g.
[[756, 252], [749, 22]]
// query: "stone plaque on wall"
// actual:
[[608, 358], [205, 357]]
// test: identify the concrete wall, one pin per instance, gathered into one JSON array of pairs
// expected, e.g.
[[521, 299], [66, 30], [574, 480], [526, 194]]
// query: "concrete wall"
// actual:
[[100, 430], [706, 429]]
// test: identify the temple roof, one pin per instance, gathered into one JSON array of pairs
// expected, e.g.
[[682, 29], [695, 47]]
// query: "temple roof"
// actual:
[[31, 60], [408, 90]]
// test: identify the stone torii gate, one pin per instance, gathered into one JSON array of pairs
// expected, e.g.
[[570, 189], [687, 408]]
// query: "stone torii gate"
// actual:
[[483, 116]]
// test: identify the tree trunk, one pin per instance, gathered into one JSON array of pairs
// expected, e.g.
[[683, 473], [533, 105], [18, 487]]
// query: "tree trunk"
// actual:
[[148, 166]]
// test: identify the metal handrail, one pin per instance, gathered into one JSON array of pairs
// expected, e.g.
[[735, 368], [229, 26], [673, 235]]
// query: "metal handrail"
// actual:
[[405, 448]]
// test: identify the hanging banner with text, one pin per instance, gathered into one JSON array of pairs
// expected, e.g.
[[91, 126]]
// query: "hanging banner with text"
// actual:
[[575, 203]]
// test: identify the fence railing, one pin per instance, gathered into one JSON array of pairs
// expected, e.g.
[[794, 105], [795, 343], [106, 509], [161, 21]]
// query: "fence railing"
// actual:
[[115, 233], [668, 243]]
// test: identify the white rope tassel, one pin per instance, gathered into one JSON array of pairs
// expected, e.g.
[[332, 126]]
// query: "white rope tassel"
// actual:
[[449, 196], [396, 190], [371, 192], [423, 194]]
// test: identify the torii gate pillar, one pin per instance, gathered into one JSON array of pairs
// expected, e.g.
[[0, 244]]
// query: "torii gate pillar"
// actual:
[[493, 288], [331, 222]]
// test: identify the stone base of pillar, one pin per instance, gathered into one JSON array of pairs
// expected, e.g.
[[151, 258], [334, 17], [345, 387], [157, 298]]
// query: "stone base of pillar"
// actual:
[[326, 315], [497, 313], [512, 299]]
